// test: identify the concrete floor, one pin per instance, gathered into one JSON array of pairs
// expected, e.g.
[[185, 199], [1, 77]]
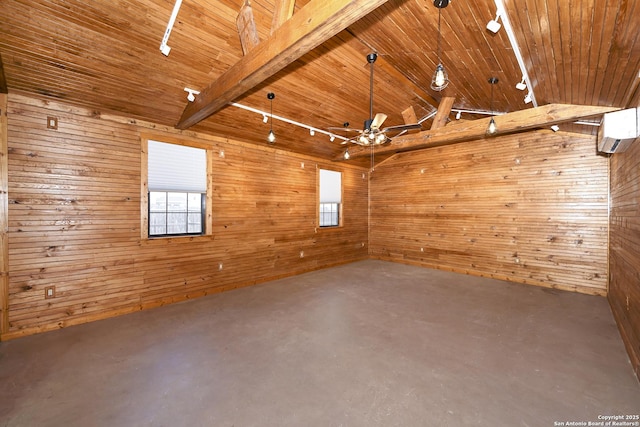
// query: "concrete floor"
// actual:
[[366, 344]]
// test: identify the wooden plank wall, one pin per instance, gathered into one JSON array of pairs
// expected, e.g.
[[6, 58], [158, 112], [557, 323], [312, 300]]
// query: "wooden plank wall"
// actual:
[[529, 208], [624, 253], [75, 219], [4, 212]]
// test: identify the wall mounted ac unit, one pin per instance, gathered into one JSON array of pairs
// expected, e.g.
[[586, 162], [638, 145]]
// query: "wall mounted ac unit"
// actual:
[[618, 130]]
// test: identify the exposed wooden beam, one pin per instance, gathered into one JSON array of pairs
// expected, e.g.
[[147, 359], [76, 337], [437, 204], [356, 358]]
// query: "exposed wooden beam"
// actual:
[[444, 109], [517, 121], [3, 80], [409, 115], [247, 28], [312, 25], [282, 13]]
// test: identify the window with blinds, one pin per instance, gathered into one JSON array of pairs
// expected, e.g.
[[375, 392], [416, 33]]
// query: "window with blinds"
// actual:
[[330, 198], [177, 182]]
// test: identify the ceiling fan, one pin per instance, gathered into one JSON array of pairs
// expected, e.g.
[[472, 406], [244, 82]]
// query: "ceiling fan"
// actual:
[[372, 132]]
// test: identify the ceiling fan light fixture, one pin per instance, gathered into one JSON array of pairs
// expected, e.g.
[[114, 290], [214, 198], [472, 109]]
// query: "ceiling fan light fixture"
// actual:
[[380, 138], [363, 139]]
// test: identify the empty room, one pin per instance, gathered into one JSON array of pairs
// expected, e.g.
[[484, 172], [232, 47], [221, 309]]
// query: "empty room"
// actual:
[[319, 213]]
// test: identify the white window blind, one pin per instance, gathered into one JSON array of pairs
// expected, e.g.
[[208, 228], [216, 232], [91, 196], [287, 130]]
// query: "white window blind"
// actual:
[[330, 186], [176, 167]]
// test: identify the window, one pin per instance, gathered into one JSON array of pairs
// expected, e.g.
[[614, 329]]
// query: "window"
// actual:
[[330, 198], [172, 212], [177, 188]]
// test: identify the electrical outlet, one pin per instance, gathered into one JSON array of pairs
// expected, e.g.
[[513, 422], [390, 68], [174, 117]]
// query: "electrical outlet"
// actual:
[[52, 122], [49, 292]]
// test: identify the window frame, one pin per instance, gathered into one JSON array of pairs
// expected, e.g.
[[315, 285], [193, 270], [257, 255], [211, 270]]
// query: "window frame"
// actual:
[[340, 204], [144, 188]]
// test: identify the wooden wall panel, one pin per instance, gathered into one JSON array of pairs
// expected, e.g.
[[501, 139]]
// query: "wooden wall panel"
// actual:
[[529, 208], [75, 220], [624, 253], [4, 211]]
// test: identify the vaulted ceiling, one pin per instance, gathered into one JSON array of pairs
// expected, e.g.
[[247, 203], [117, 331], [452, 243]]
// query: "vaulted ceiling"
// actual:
[[104, 55]]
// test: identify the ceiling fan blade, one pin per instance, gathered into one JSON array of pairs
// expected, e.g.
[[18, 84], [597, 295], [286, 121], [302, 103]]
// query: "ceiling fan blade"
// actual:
[[378, 120], [400, 128]]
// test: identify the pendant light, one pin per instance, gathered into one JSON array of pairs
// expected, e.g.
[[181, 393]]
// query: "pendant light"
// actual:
[[492, 128], [272, 136], [440, 78], [346, 138]]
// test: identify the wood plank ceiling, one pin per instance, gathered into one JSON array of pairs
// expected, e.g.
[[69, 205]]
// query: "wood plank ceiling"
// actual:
[[105, 55]]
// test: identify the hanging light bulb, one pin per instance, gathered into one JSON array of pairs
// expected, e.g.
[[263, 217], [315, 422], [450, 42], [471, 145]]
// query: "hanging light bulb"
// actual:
[[440, 78], [492, 128], [272, 136], [346, 154]]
